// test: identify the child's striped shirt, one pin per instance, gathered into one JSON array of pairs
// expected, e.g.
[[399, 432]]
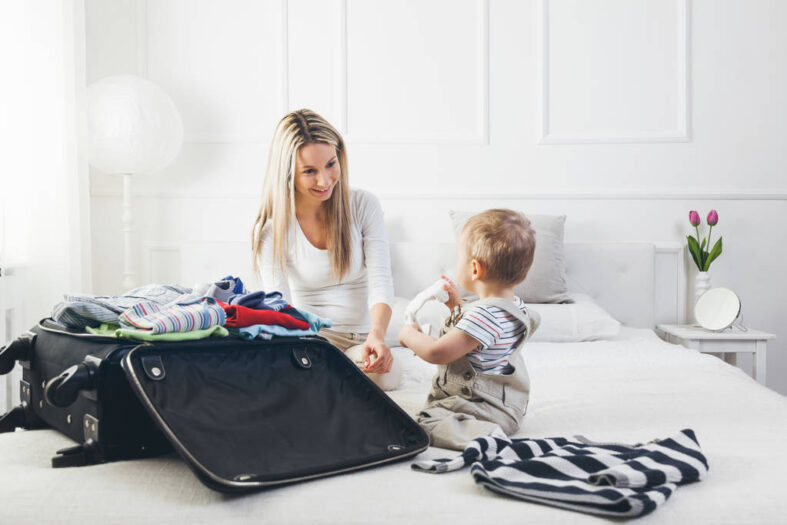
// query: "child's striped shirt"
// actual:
[[496, 331]]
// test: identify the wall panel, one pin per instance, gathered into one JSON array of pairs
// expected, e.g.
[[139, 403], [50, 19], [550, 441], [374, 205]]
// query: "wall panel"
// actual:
[[614, 71], [222, 63]]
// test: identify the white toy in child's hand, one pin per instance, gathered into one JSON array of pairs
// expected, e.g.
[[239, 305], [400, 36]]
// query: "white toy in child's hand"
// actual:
[[435, 292]]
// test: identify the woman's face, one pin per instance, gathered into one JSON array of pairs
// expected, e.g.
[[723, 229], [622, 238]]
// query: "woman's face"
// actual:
[[316, 172]]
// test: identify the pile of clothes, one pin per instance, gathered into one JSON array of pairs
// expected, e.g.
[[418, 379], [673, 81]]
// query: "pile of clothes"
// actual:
[[158, 312]]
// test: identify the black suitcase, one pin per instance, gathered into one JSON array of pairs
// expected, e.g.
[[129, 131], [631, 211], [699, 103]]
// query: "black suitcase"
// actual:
[[73, 382], [243, 414]]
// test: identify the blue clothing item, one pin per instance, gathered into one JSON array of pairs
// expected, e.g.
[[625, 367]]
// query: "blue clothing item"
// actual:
[[80, 311], [315, 324], [238, 287], [263, 330], [260, 301], [248, 336]]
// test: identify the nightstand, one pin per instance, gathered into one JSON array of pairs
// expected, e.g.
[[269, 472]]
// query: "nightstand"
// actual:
[[726, 343]]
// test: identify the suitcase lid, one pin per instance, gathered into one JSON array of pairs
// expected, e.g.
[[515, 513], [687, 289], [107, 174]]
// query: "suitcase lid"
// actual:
[[251, 414]]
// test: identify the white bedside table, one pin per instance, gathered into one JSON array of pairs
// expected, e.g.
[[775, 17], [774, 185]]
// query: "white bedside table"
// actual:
[[727, 343]]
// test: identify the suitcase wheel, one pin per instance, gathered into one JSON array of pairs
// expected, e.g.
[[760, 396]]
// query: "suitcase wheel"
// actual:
[[62, 390]]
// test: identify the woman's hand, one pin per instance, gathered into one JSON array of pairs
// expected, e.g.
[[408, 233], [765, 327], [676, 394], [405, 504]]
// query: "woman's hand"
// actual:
[[453, 293], [375, 345]]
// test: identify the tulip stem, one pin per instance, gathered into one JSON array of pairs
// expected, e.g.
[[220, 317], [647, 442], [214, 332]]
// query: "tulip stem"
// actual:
[[710, 229]]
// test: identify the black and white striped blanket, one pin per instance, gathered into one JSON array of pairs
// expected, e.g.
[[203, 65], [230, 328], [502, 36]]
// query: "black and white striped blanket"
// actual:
[[607, 479]]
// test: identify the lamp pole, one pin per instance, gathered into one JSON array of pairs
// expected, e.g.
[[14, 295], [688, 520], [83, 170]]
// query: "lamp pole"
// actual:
[[128, 272]]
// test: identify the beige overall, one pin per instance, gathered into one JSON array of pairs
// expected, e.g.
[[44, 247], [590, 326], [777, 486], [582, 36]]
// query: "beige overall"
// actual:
[[465, 404]]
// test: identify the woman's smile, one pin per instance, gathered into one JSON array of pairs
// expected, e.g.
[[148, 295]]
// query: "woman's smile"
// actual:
[[323, 193]]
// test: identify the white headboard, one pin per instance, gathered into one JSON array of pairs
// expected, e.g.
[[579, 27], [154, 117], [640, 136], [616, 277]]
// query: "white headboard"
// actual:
[[640, 284]]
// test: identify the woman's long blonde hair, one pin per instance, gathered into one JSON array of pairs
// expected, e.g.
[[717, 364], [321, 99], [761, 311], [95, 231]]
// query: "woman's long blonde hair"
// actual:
[[278, 192]]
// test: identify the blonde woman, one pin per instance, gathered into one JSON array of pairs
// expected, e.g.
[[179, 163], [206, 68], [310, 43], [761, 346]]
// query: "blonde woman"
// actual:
[[323, 245]]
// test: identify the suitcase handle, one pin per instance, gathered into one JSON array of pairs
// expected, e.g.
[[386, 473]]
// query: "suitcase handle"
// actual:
[[17, 350], [62, 390]]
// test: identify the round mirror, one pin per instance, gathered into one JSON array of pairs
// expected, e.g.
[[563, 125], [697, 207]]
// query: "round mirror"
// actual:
[[717, 309]]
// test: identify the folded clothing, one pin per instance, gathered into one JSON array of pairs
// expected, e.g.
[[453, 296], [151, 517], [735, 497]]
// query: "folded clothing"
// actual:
[[183, 316], [264, 331], [80, 311], [607, 479], [240, 316], [245, 334], [114, 330], [230, 290]]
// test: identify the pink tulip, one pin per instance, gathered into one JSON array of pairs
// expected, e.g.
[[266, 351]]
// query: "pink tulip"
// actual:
[[713, 218], [694, 218]]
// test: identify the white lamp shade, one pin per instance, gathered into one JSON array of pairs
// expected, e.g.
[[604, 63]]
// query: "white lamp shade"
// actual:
[[133, 126]]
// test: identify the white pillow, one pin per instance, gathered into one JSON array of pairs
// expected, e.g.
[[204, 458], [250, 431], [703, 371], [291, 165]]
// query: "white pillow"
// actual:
[[546, 280], [431, 313], [584, 320]]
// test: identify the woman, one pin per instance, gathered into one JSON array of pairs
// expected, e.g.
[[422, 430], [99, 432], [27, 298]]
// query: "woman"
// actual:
[[323, 245]]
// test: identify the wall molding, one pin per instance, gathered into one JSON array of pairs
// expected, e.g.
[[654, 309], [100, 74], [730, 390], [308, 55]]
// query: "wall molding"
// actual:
[[682, 134], [481, 137], [634, 195], [143, 70]]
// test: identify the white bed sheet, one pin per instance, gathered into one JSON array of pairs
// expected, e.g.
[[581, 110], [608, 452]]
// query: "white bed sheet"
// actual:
[[635, 388]]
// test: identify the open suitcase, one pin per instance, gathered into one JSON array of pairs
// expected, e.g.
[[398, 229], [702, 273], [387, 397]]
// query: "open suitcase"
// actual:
[[242, 414]]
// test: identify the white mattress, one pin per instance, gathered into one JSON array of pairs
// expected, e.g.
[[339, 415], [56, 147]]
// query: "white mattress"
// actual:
[[633, 389]]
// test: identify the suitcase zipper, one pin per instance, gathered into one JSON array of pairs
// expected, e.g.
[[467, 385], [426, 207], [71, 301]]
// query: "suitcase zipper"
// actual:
[[213, 340], [129, 368], [78, 334]]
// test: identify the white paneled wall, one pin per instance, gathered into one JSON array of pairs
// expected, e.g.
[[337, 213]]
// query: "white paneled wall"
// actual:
[[416, 74], [623, 114], [614, 71], [219, 61]]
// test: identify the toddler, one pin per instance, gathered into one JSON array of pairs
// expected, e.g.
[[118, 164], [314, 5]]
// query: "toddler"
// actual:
[[481, 386]]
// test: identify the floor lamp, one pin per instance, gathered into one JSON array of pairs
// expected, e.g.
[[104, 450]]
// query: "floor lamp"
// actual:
[[133, 128]]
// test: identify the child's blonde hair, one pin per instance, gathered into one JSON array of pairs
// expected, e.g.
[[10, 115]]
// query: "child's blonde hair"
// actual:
[[295, 130], [503, 242]]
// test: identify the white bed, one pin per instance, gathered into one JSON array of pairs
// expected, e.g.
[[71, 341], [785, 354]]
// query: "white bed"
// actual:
[[633, 388]]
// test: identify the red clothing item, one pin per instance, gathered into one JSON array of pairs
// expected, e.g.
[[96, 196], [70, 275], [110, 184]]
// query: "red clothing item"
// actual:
[[241, 316]]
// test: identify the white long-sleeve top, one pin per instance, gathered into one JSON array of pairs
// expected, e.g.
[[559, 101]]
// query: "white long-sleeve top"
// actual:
[[308, 281]]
